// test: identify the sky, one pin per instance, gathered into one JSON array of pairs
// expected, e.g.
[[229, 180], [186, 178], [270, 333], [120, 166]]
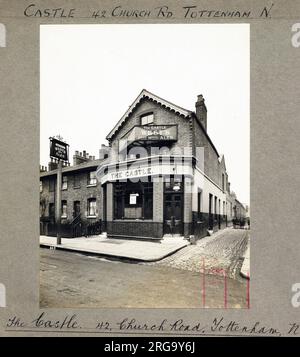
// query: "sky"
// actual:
[[91, 74]]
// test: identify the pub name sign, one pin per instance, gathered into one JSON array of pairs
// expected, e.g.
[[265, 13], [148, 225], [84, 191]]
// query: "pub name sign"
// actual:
[[59, 149], [149, 133]]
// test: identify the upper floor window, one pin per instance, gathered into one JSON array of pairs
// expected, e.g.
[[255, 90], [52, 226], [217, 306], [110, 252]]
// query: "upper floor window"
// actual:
[[76, 181], [64, 185], [147, 119], [92, 180]]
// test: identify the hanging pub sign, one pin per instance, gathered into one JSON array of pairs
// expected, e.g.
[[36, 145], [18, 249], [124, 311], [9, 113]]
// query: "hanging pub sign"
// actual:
[[59, 149]]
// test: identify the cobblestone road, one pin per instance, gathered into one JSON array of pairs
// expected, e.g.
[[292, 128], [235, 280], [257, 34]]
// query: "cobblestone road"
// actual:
[[222, 252]]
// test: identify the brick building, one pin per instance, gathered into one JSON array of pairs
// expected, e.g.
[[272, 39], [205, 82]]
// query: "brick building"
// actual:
[[160, 174]]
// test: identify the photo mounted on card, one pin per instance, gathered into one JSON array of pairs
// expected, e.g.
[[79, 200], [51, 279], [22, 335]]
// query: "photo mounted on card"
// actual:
[[129, 201], [145, 177]]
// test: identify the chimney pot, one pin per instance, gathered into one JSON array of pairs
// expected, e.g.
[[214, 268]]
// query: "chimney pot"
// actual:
[[201, 111]]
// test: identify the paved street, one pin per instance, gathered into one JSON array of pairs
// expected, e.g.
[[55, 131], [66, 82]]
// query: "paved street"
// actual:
[[70, 279], [218, 254]]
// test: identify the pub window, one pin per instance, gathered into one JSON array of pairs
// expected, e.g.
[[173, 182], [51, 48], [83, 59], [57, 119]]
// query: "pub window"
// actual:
[[64, 213], [64, 185], [173, 183], [133, 200], [41, 186], [91, 207], [147, 119], [92, 180], [199, 214], [51, 185], [76, 181]]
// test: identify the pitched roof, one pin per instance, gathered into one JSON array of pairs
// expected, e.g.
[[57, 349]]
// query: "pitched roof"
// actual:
[[146, 94], [82, 166]]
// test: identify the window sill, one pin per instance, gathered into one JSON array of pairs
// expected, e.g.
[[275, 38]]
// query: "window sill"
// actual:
[[76, 187], [89, 217], [64, 217], [91, 185], [64, 189]]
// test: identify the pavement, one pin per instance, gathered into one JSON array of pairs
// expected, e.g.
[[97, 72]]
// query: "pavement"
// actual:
[[245, 270], [147, 251]]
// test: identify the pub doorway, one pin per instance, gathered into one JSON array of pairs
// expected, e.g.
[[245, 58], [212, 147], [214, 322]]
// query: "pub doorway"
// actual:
[[173, 206]]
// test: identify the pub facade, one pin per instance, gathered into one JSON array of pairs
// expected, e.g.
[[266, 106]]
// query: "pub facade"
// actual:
[[160, 174], [164, 175]]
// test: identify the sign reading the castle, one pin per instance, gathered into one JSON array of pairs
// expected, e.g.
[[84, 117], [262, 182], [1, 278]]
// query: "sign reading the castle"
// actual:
[[156, 132], [58, 149], [149, 133], [131, 173]]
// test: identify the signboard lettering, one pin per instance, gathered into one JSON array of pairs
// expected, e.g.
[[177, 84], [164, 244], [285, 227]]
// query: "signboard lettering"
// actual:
[[58, 149]]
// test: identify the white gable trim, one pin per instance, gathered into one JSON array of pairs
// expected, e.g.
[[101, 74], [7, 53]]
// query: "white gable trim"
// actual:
[[145, 94]]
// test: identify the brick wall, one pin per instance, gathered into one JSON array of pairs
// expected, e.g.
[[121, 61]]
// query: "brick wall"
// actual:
[[71, 194], [158, 198], [162, 116], [212, 167]]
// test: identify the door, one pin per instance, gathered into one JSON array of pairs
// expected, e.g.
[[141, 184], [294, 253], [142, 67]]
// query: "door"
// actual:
[[76, 208], [210, 215], [173, 222]]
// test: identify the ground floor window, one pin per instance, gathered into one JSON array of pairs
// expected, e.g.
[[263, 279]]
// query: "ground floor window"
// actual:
[[51, 210], [133, 200], [64, 213], [91, 207]]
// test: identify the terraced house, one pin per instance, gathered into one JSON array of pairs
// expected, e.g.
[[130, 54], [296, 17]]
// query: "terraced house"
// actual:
[[159, 174]]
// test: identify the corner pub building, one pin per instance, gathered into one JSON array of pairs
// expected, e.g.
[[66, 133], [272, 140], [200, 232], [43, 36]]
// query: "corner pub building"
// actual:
[[160, 174]]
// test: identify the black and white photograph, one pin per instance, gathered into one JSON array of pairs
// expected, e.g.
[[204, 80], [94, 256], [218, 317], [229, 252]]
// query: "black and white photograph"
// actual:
[[145, 166]]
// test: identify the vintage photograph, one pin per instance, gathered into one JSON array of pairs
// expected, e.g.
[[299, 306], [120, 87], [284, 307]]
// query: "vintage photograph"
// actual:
[[145, 166]]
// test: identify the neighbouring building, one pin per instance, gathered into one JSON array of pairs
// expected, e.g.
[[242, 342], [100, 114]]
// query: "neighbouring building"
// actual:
[[160, 174]]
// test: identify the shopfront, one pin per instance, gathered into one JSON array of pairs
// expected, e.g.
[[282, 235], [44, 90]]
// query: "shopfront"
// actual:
[[145, 198]]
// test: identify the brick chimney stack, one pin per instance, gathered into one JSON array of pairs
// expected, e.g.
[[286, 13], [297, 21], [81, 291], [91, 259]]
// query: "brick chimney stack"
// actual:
[[104, 152], [201, 111], [81, 157]]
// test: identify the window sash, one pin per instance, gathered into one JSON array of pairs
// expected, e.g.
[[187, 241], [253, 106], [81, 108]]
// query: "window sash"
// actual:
[[64, 209], [147, 119], [92, 207], [143, 209], [64, 184], [92, 180]]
